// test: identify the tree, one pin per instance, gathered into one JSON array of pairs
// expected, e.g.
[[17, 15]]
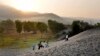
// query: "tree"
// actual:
[[1, 28], [42, 27], [18, 26], [26, 26], [85, 26], [76, 27], [8, 26], [30, 26], [97, 24], [55, 27], [79, 26]]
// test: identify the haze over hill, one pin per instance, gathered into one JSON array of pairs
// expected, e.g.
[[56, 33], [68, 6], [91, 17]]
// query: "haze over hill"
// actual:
[[7, 12]]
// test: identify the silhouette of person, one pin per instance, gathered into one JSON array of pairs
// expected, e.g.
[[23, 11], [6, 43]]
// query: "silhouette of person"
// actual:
[[45, 44], [40, 45], [33, 47], [66, 38]]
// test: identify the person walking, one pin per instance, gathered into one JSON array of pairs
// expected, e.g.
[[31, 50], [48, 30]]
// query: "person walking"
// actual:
[[33, 47], [45, 44], [66, 38], [40, 45]]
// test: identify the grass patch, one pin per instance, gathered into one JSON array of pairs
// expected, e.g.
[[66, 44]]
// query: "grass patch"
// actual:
[[22, 41]]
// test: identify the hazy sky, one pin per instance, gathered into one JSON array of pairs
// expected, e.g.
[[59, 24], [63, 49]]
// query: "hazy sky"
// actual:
[[68, 8]]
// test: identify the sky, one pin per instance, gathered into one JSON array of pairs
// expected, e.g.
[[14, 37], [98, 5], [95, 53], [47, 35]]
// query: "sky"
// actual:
[[66, 8]]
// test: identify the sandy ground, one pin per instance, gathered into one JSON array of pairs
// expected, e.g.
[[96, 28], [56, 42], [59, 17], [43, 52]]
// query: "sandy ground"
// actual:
[[84, 44]]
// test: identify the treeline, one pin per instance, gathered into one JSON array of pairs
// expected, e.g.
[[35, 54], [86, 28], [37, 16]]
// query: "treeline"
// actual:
[[9, 26], [80, 26], [30, 26]]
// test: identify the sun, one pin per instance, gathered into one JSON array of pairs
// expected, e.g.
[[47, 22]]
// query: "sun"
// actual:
[[25, 5]]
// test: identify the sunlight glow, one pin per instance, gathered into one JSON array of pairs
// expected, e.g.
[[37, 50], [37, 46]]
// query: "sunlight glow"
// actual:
[[69, 8], [25, 5]]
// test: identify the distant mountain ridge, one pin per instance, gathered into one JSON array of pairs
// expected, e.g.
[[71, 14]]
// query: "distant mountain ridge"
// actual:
[[7, 12]]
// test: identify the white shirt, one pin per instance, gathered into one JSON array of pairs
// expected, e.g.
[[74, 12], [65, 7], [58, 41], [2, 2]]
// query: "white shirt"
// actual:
[[44, 44], [66, 36]]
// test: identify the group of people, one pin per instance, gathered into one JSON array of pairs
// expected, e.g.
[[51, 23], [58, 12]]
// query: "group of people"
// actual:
[[44, 44], [41, 44]]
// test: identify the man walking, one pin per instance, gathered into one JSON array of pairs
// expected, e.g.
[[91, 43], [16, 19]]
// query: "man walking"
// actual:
[[66, 38]]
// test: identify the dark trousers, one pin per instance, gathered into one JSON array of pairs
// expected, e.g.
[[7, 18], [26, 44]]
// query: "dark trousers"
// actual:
[[66, 39]]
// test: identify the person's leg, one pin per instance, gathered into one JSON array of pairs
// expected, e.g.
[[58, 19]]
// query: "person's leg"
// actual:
[[38, 47], [33, 48], [67, 38]]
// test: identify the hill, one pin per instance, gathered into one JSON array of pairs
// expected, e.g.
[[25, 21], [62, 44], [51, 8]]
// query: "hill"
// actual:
[[86, 43], [7, 12]]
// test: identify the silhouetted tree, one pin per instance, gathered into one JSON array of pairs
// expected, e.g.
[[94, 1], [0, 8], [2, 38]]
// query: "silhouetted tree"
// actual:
[[55, 27], [26, 26], [18, 26], [42, 27], [79, 26], [30, 26], [8, 26], [97, 25], [1, 28], [76, 27]]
